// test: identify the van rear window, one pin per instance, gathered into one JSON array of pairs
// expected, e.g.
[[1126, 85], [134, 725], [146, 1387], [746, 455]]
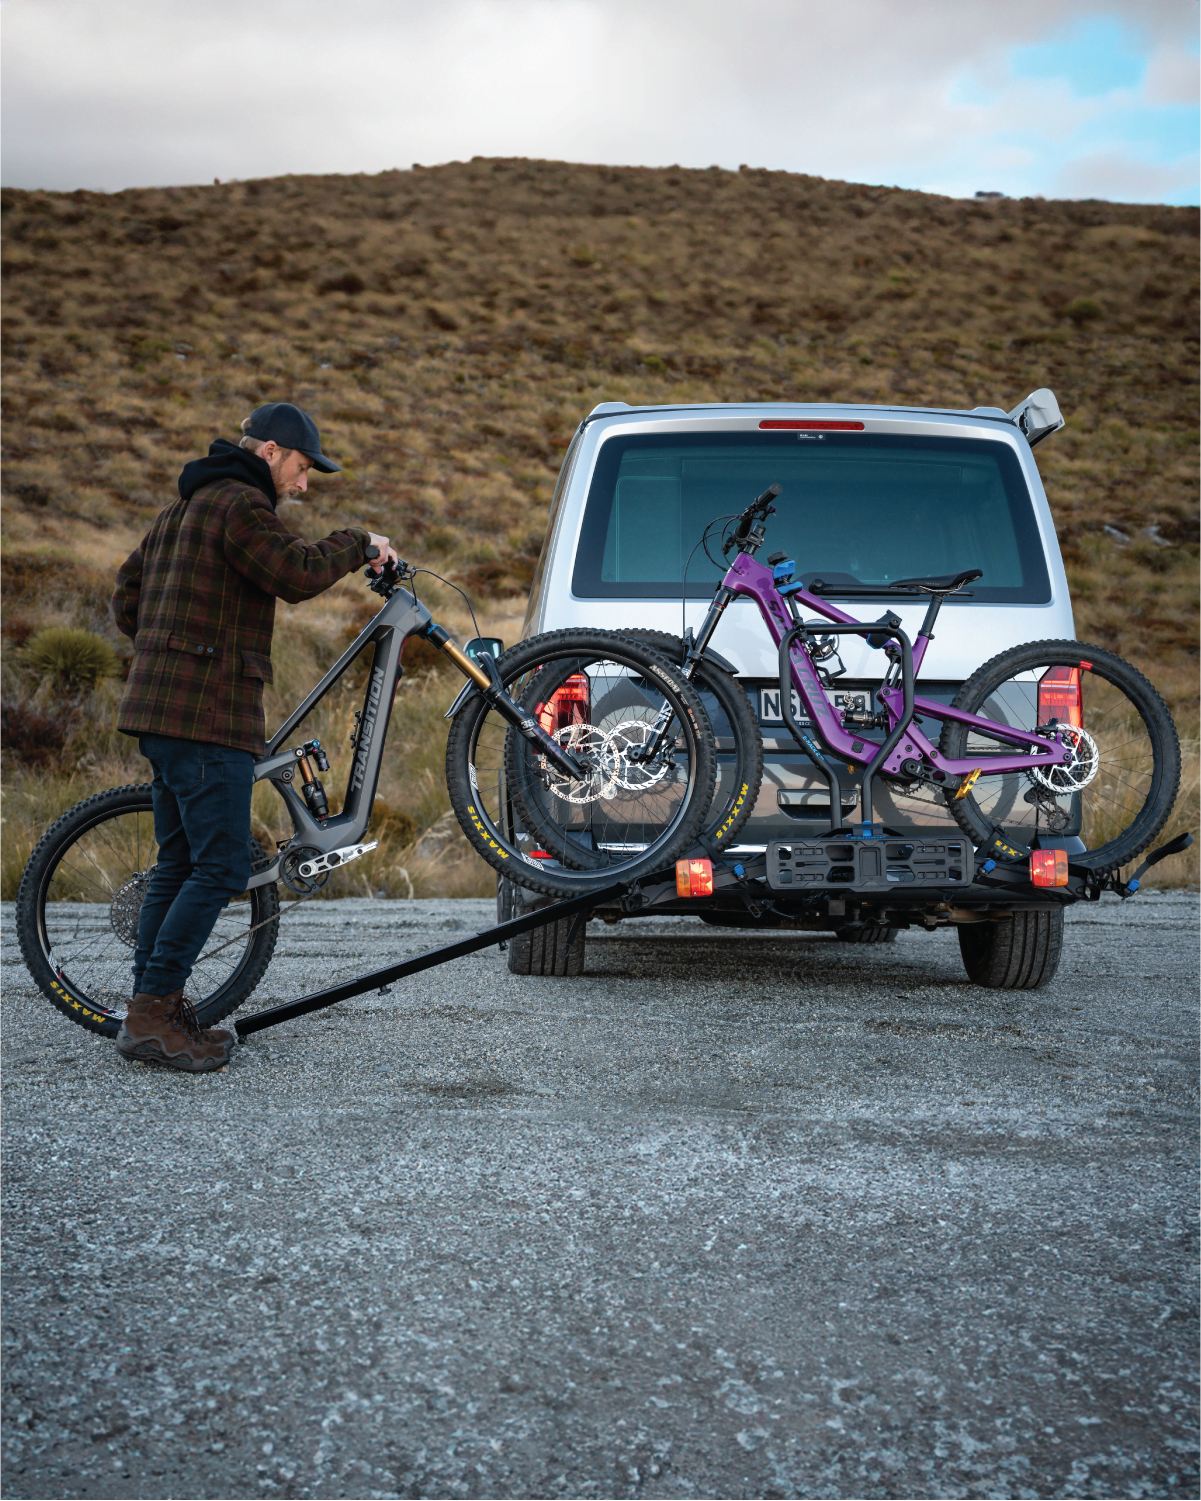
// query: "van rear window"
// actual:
[[858, 510]]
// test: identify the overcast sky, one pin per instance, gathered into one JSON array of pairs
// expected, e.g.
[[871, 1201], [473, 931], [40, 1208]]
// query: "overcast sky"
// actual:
[[1055, 97]]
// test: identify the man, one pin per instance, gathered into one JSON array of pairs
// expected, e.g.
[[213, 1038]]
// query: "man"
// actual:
[[198, 597]]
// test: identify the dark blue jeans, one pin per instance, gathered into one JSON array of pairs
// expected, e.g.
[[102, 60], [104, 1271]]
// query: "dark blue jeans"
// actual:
[[202, 824]]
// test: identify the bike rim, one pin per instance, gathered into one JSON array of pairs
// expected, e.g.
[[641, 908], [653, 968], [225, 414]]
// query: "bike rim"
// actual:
[[625, 812], [88, 906], [1123, 782]]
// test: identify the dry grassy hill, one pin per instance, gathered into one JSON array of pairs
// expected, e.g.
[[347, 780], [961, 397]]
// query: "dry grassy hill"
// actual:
[[448, 327]]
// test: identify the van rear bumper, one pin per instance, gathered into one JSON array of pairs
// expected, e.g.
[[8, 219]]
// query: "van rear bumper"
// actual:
[[743, 898]]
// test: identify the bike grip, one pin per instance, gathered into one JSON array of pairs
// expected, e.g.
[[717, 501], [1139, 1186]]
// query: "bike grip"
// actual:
[[769, 494], [371, 551]]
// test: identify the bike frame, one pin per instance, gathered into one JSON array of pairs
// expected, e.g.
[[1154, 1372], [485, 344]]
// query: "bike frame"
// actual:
[[751, 580], [904, 741], [401, 617]]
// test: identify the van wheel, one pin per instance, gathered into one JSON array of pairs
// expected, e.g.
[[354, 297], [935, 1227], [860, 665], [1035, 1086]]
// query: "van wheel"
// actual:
[[866, 935], [552, 950], [1020, 952]]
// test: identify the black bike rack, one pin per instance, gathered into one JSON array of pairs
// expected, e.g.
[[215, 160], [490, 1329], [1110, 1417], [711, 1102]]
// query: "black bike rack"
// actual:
[[807, 743]]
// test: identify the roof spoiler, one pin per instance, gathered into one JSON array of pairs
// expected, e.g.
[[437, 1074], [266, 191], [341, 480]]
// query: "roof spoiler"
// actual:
[[1038, 416]]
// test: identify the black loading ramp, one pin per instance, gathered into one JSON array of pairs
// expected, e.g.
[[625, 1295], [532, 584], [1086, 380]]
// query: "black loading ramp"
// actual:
[[379, 978]]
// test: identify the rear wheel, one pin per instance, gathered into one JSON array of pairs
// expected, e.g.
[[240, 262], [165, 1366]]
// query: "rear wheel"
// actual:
[[1118, 793], [599, 695], [1020, 952], [77, 916], [556, 949]]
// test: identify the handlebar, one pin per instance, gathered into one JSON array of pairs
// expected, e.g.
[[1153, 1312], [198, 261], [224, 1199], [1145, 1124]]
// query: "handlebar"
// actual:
[[388, 579], [760, 506]]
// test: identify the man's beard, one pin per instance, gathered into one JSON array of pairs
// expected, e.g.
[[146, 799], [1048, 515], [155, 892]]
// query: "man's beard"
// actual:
[[286, 492]]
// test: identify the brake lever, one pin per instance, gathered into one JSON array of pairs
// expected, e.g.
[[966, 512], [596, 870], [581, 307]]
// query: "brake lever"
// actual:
[[390, 576]]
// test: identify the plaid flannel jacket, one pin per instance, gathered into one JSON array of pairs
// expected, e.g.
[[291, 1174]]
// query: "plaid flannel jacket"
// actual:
[[198, 597]]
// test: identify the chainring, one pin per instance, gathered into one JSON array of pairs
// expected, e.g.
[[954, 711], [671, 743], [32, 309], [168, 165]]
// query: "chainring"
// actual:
[[289, 872]]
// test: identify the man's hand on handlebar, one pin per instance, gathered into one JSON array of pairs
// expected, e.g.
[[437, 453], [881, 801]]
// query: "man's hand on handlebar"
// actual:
[[384, 553]]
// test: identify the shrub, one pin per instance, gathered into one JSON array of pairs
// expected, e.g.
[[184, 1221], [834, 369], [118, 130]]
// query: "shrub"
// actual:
[[1083, 310], [78, 658], [30, 735]]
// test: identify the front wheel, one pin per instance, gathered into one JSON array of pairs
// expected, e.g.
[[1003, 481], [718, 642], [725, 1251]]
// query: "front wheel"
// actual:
[[1119, 791], [77, 916], [632, 815]]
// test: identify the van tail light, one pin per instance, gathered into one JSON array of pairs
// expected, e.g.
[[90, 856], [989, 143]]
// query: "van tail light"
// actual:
[[1049, 867], [1059, 697], [570, 704], [694, 877]]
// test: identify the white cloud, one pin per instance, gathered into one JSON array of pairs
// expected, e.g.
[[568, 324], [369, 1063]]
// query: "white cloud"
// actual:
[[1119, 176], [138, 91], [1172, 77]]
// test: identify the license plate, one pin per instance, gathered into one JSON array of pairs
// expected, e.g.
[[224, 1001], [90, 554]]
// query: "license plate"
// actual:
[[769, 708], [769, 705]]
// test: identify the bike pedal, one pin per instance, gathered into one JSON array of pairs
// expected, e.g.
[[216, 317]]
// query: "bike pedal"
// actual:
[[967, 784]]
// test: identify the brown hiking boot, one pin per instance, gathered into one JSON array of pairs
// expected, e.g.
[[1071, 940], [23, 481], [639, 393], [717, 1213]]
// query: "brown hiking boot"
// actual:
[[164, 1029]]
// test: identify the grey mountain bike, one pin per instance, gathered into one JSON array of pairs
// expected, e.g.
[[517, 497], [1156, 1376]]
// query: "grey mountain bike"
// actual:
[[575, 710]]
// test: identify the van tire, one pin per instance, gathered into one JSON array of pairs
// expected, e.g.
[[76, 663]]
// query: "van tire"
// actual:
[[553, 950], [866, 935], [1019, 952]]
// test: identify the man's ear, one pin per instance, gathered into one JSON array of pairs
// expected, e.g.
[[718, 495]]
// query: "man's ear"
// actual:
[[268, 451]]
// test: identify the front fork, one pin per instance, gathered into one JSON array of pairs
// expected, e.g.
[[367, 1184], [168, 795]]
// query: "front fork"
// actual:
[[487, 680], [695, 650]]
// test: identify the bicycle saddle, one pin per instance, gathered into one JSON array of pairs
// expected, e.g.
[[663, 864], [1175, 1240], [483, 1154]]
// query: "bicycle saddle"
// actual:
[[946, 583]]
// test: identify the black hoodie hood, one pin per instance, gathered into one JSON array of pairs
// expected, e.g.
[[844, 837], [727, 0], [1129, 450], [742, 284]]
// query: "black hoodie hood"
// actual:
[[227, 461]]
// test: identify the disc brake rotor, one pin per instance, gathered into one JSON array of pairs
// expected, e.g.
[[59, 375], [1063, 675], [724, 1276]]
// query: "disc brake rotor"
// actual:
[[1077, 773], [634, 776], [590, 747]]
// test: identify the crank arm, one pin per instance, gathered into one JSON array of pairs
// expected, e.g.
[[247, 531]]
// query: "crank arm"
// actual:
[[333, 859]]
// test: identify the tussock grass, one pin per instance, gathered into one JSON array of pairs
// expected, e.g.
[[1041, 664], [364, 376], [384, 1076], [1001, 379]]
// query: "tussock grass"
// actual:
[[448, 327]]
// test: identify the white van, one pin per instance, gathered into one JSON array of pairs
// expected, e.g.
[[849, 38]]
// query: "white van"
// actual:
[[870, 495]]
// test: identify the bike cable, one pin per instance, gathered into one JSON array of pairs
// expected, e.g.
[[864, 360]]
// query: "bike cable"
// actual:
[[457, 590], [704, 542]]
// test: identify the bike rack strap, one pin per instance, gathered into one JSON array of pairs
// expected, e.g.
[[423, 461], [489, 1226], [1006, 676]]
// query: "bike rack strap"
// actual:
[[381, 977]]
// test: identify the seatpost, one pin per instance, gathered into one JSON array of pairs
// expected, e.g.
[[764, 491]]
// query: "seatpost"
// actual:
[[932, 609]]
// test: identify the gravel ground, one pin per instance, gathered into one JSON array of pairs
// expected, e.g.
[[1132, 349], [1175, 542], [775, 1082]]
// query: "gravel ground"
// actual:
[[729, 1216]]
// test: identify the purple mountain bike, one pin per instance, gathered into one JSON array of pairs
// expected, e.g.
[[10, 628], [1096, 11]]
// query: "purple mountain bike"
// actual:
[[1051, 744]]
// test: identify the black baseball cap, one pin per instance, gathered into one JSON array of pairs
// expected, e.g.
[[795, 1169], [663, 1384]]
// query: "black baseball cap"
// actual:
[[280, 422]]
